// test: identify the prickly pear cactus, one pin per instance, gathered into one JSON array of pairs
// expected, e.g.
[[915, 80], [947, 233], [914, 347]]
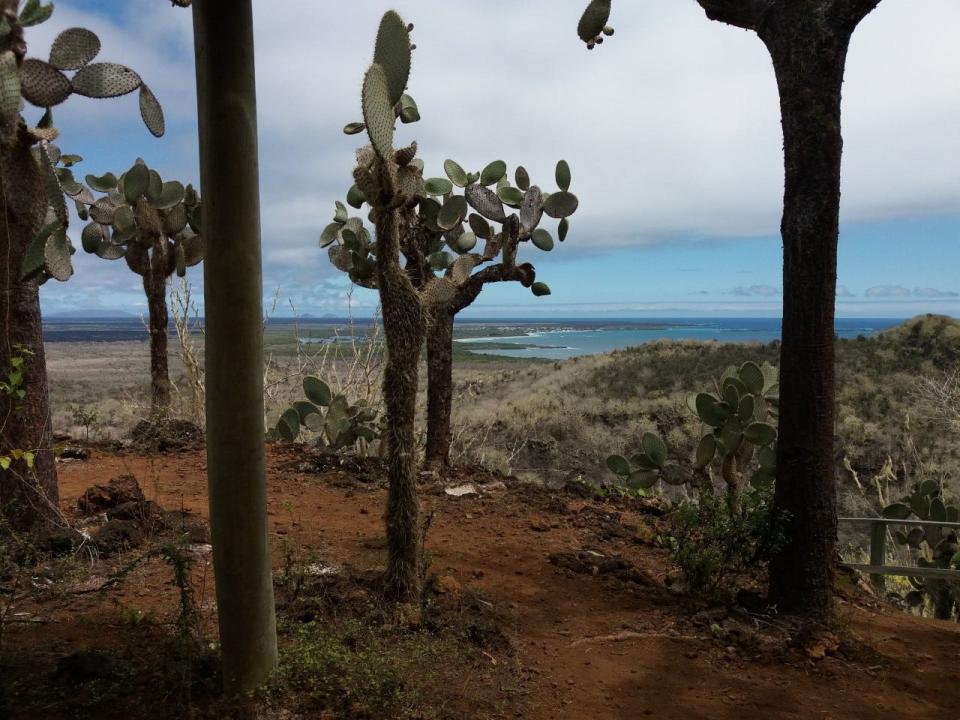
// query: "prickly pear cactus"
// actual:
[[338, 424], [739, 442], [69, 70], [444, 217], [140, 218], [929, 546], [453, 215], [593, 23]]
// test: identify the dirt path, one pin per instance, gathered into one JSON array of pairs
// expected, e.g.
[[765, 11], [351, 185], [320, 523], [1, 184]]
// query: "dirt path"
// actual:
[[500, 544]]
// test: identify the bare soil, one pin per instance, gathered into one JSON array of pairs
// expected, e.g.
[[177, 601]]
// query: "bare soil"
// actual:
[[593, 641]]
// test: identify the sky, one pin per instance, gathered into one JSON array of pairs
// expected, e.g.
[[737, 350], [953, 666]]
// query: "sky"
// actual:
[[671, 129]]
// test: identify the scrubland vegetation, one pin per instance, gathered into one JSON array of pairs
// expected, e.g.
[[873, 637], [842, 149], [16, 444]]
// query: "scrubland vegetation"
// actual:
[[205, 544]]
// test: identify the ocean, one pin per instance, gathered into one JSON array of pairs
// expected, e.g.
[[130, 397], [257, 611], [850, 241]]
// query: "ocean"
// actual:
[[570, 338], [519, 338]]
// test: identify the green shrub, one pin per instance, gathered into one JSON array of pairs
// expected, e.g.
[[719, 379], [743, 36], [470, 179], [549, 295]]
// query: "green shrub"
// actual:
[[717, 538], [359, 671]]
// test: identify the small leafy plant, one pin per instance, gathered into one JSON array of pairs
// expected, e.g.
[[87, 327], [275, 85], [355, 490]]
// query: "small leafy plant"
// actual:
[[339, 423], [718, 537], [13, 386]]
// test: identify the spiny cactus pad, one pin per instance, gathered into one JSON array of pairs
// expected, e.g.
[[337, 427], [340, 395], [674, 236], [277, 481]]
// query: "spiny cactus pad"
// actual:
[[151, 112], [105, 80], [42, 84], [392, 53], [593, 22], [74, 48], [9, 86], [378, 111]]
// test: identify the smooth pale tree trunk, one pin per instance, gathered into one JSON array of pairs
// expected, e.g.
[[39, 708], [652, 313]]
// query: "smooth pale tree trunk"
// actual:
[[808, 44], [227, 113], [439, 389], [155, 287], [404, 327], [28, 497]]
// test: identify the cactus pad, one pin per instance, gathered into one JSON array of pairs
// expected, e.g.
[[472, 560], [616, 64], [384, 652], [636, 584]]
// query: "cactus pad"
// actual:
[[510, 195], [485, 201], [594, 20], [392, 53], [452, 213], [74, 48], [135, 182], [458, 176], [105, 80], [438, 186], [563, 175], [151, 112], [560, 204], [378, 111], [562, 229], [540, 289], [9, 87], [42, 84], [91, 236], [56, 255], [522, 177], [542, 239], [493, 172]]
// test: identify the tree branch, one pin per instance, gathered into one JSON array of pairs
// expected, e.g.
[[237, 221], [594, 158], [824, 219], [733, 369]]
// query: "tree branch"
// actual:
[[746, 14], [466, 294], [853, 11]]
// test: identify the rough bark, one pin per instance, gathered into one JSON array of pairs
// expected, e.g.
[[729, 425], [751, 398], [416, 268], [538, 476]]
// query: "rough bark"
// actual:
[[404, 327], [440, 355], [28, 498], [227, 113], [808, 44], [808, 47], [439, 389], [155, 287]]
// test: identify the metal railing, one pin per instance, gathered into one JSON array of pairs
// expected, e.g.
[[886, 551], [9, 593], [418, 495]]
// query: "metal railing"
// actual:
[[878, 568]]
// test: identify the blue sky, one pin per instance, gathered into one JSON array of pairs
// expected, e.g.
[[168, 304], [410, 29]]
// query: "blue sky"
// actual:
[[671, 129]]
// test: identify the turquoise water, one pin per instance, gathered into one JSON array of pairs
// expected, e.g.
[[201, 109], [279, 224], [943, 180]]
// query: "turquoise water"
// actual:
[[557, 341]]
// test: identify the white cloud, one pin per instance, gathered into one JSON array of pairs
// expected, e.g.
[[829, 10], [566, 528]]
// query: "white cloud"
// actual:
[[671, 127], [755, 291], [887, 291]]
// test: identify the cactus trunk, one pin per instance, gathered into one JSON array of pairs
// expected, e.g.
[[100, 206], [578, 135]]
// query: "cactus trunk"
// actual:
[[809, 50], [404, 328], [227, 113], [28, 497], [439, 389], [155, 287]]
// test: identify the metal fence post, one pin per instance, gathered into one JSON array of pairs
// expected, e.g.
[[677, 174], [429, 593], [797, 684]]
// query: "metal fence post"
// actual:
[[878, 553]]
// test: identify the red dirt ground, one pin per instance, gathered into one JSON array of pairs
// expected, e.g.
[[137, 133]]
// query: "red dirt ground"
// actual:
[[499, 545]]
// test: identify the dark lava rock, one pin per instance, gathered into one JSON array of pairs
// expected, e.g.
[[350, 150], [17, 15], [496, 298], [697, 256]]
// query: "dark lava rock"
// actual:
[[166, 436], [74, 452], [86, 665], [59, 540], [594, 564], [118, 535], [119, 491]]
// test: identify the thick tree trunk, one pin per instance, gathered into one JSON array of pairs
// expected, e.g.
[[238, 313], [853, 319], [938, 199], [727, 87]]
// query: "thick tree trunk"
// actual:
[[155, 287], [808, 47], [404, 328], [227, 113], [439, 389], [28, 497]]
